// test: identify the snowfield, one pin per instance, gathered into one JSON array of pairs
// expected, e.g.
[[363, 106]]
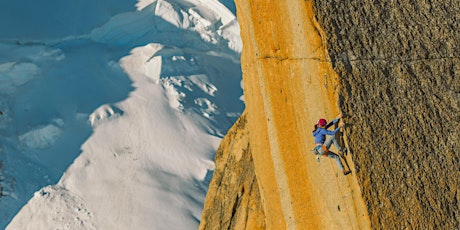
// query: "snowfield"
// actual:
[[113, 110]]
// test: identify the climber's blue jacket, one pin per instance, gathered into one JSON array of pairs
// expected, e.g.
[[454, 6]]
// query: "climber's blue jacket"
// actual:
[[320, 133]]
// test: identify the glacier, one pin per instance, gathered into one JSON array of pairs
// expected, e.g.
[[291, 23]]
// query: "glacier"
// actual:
[[112, 110]]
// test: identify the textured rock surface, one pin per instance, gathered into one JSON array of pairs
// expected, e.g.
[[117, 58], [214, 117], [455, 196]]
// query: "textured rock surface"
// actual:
[[288, 84], [399, 68], [233, 200], [393, 68]]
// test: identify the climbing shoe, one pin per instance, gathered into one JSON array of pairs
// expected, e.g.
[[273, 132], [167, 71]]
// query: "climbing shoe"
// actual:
[[343, 152], [346, 172]]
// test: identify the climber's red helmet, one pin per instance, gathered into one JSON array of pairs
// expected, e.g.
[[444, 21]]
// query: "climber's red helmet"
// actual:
[[322, 122]]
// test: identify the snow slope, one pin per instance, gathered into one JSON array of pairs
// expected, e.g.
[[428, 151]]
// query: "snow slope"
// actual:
[[112, 111]]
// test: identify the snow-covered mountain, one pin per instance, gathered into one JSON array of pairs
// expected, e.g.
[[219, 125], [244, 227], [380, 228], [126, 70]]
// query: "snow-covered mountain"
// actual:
[[112, 110]]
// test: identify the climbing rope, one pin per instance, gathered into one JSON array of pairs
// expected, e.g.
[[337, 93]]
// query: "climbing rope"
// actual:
[[343, 198]]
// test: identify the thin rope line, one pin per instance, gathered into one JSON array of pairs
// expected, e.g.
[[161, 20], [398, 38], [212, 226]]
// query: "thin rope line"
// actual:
[[340, 188]]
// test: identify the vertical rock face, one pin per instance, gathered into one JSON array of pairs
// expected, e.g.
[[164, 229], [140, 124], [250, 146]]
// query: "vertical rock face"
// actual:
[[233, 200], [399, 69], [393, 69], [288, 85]]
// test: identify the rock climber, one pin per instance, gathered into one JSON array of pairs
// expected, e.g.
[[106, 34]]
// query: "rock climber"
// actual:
[[322, 145]]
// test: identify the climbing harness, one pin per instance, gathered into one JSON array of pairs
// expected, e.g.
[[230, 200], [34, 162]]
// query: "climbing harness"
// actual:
[[318, 147]]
